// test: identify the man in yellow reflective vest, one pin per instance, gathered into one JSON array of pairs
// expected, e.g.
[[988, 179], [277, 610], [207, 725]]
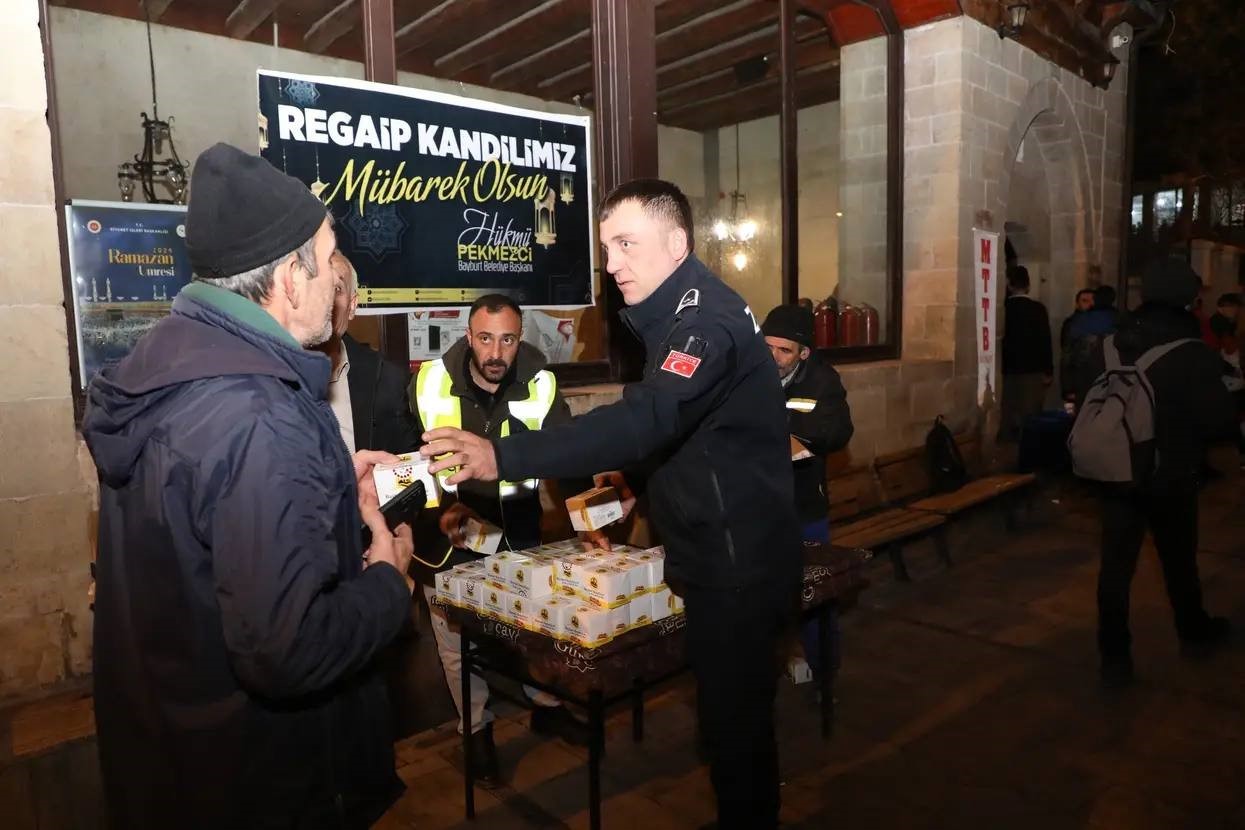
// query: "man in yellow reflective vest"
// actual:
[[490, 384]]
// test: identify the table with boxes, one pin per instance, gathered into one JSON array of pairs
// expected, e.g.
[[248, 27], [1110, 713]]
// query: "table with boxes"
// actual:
[[564, 592]]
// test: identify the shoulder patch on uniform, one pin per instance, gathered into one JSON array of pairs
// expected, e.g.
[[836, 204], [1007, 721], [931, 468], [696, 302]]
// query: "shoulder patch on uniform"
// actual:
[[690, 299], [678, 363]]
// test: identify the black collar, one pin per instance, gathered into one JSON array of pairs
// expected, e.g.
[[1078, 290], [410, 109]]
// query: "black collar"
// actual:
[[660, 306]]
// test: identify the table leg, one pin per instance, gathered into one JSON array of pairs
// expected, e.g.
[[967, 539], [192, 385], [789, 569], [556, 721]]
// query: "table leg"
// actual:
[[825, 670], [596, 741], [637, 712], [469, 794]]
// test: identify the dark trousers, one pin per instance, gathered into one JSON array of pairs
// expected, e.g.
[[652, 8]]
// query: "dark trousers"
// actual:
[[1169, 511], [810, 637], [732, 645]]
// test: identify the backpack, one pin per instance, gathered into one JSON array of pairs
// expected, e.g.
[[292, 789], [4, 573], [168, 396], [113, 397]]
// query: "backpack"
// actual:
[[1112, 439], [947, 472]]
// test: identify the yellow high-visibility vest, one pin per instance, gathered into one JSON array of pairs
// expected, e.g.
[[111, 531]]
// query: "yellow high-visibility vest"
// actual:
[[438, 407]]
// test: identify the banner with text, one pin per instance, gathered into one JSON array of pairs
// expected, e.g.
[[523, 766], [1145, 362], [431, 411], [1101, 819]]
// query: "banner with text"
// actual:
[[128, 261], [985, 263], [439, 199]]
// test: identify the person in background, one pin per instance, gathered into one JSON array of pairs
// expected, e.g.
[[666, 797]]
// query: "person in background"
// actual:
[[1085, 336], [367, 392], [1028, 364], [1191, 407], [820, 422], [705, 430], [491, 384], [1084, 302], [1223, 326], [237, 616]]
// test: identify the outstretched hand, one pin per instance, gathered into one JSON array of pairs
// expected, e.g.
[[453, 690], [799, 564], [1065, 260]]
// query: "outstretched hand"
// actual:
[[470, 456]]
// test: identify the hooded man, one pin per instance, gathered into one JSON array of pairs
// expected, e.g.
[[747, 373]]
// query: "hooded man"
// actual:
[[237, 617]]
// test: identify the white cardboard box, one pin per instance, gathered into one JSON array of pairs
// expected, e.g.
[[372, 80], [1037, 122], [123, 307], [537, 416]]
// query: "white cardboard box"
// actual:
[[607, 586], [663, 604], [495, 602], [572, 571], [481, 536], [594, 509], [531, 577], [590, 626], [392, 479], [551, 614], [471, 590], [640, 610]]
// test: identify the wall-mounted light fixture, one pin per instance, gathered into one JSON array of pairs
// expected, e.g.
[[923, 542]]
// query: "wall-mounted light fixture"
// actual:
[[1108, 72], [1014, 20]]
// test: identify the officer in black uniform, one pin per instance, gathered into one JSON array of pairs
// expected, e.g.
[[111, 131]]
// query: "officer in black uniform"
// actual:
[[704, 433]]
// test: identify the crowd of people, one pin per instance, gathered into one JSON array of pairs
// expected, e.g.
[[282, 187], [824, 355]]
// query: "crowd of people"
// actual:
[[248, 582]]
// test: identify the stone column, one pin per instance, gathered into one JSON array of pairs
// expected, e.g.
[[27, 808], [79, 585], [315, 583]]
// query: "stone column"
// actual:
[[45, 621]]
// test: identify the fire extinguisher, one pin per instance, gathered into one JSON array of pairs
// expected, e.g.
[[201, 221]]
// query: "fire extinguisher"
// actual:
[[851, 326], [871, 324], [825, 320]]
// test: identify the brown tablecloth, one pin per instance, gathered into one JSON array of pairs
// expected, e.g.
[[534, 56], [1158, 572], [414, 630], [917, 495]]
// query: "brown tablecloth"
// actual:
[[831, 574]]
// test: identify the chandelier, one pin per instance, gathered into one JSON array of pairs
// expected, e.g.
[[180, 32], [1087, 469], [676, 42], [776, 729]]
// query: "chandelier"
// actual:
[[737, 230], [152, 168]]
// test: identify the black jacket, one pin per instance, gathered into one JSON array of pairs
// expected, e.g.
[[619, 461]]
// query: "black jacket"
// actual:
[[235, 628], [378, 403], [1191, 404], [826, 429], [1026, 345], [712, 430], [519, 516]]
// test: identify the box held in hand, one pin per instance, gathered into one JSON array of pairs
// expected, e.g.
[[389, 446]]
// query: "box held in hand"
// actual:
[[594, 509]]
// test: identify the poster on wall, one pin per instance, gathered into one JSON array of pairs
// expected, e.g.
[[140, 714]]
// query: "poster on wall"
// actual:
[[985, 264], [127, 261], [439, 199]]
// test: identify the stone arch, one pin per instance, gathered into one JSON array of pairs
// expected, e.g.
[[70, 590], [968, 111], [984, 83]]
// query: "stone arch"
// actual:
[[1048, 117]]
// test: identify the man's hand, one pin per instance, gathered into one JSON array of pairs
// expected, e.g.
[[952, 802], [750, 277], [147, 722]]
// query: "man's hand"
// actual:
[[595, 540], [364, 461], [393, 548], [453, 520], [472, 455], [615, 479]]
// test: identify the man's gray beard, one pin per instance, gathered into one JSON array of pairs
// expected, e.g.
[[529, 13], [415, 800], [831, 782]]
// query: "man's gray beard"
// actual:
[[323, 335]]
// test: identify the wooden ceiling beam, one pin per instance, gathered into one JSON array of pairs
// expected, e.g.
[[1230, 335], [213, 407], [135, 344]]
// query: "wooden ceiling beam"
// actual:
[[157, 8], [705, 32], [812, 53], [762, 42], [548, 63], [451, 24], [553, 20], [248, 15], [339, 22], [817, 85]]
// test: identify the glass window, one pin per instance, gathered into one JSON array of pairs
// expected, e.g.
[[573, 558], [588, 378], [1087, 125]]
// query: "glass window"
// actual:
[[1167, 205], [1138, 212]]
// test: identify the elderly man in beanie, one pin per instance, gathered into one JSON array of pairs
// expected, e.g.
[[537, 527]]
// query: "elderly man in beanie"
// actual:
[[237, 618], [1191, 406], [820, 423]]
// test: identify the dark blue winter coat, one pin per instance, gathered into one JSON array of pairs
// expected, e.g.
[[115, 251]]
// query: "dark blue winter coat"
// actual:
[[235, 628]]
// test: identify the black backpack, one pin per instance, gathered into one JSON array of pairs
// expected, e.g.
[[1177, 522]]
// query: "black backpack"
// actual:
[[947, 472]]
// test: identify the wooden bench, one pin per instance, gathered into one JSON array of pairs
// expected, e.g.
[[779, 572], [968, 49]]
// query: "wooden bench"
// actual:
[[862, 518], [979, 490]]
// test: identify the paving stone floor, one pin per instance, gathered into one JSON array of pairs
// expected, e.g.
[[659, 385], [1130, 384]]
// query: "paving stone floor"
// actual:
[[968, 699]]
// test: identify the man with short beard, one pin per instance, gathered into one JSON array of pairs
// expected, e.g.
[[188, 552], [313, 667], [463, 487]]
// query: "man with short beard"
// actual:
[[491, 384], [237, 617]]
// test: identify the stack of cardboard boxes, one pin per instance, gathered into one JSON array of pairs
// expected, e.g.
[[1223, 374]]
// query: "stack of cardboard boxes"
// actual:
[[561, 591]]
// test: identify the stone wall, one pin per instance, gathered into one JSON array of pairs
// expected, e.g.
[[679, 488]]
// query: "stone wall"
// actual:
[[44, 547], [972, 102]]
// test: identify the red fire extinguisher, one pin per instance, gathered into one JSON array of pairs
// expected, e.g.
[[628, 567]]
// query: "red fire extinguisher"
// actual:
[[871, 324], [851, 326], [825, 326]]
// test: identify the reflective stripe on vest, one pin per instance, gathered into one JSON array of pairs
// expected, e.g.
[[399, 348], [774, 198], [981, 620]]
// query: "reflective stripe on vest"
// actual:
[[438, 407], [802, 404]]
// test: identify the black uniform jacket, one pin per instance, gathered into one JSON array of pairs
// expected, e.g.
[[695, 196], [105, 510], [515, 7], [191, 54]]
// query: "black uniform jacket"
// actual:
[[708, 421]]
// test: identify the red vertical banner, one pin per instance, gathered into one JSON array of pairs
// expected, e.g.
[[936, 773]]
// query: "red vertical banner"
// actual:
[[986, 272]]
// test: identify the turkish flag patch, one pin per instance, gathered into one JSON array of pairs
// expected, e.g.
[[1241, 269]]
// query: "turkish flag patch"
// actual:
[[680, 364]]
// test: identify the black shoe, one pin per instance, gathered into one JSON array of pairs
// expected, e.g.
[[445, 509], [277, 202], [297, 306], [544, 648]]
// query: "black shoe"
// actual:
[[558, 722], [484, 758], [1211, 632], [1116, 672]]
